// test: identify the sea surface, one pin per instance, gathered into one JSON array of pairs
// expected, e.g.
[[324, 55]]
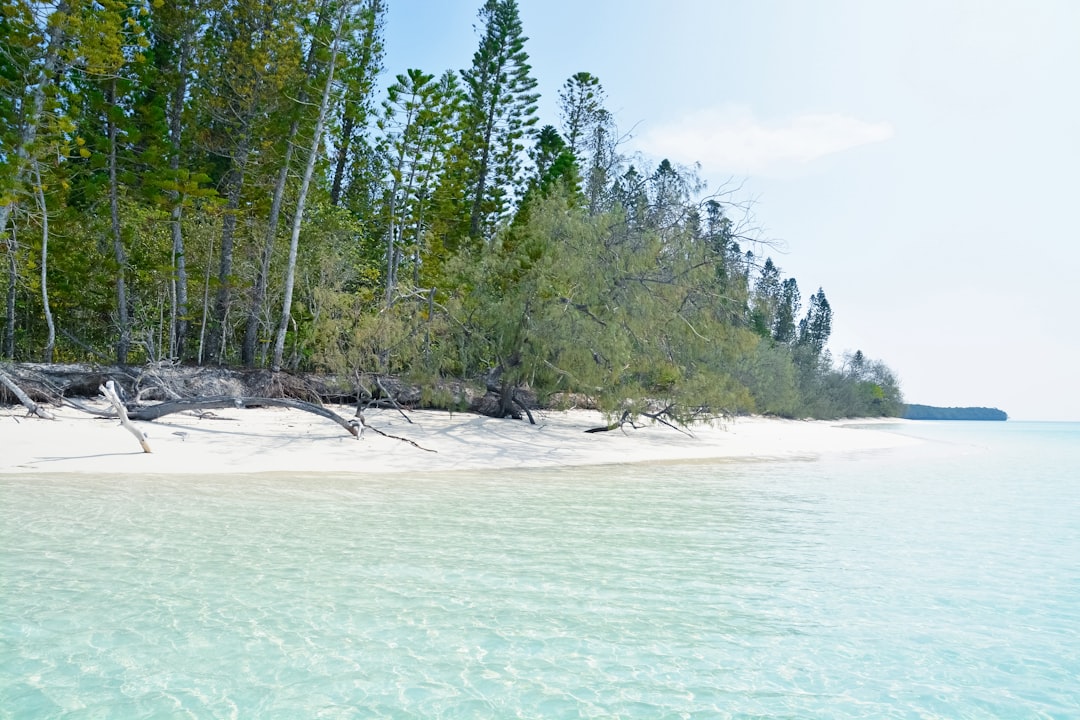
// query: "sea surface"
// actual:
[[940, 581]]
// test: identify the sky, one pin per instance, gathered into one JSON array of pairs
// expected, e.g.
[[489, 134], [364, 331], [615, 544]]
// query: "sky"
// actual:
[[917, 159]]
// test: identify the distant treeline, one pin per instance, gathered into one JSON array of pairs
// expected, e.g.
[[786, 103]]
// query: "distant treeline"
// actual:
[[928, 412]]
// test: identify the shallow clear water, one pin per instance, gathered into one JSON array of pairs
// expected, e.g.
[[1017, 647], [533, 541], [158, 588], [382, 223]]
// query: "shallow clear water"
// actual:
[[939, 582]]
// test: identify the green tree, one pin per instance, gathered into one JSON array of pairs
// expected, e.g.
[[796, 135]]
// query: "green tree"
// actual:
[[720, 237], [669, 196], [248, 64], [358, 78], [174, 31], [33, 55], [341, 26], [363, 42], [581, 110], [109, 40], [787, 309], [765, 300], [815, 328], [589, 130], [429, 194], [411, 119], [553, 165], [499, 114]]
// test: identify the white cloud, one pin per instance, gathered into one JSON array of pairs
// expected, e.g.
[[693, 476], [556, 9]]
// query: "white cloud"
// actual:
[[732, 140]]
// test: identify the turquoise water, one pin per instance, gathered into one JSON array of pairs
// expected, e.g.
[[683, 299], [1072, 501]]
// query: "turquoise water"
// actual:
[[935, 582]]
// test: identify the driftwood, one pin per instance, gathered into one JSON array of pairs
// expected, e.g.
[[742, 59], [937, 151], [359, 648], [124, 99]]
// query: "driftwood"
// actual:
[[109, 391], [626, 418], [393, 401], [29, 404], [153, 412], [87, 409], [658, 416], [364, 425], [165, 381]]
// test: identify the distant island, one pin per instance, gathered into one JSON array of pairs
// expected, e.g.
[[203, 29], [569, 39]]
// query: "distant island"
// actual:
[[929, 412]]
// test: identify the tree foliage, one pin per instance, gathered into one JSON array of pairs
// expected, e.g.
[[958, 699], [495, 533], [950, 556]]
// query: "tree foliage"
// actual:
[[232, 181]]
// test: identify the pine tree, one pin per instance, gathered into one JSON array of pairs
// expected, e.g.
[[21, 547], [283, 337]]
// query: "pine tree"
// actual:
[[499, 114], [815, 328], [358, 78], [589, 130], [33, 55], [581, 109], [787, 309], [293, 113], [340, 28], [174, 32], [110, 40], [552, 159], [434, 207], [411, 122]]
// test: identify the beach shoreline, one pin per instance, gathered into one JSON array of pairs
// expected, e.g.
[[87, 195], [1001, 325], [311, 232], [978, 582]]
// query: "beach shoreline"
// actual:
[[265, 440]]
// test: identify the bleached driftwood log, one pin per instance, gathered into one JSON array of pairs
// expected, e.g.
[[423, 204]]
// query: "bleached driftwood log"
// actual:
[[29, 404], [109, 391], [153, 412]]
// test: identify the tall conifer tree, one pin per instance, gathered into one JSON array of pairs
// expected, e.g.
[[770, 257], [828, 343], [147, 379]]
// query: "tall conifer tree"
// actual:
[[358, 79], [581, 108], [499, 115], [815, 328]]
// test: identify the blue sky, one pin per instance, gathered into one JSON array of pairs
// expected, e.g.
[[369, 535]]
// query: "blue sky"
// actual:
[[918, 160]]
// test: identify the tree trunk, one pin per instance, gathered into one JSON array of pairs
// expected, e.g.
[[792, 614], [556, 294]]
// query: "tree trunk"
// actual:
[[298, 216], [205, 302], [180, 297], [23, 398], [262, 281], [251, 333], [366, 69], [37, 104], [397, 190], [481, 188], [124, 342], [153, 412], [13, 274], [51, 340], [109, 391], [348, 124], [216, 347]]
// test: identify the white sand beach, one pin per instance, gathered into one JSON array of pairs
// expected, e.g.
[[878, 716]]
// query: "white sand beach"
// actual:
[[286, 440]]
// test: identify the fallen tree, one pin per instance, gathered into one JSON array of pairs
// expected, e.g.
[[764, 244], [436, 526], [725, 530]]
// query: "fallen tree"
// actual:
[[109, 391], [167, 382], [31, 406], [153, 412], [56, 382]]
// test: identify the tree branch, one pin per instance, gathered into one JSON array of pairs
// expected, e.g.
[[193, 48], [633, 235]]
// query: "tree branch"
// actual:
[[30, 405], [364, 424], [153, 412], [109, 391]]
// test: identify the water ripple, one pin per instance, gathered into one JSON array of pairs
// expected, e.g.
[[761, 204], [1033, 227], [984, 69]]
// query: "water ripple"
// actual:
[[943, 586]]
